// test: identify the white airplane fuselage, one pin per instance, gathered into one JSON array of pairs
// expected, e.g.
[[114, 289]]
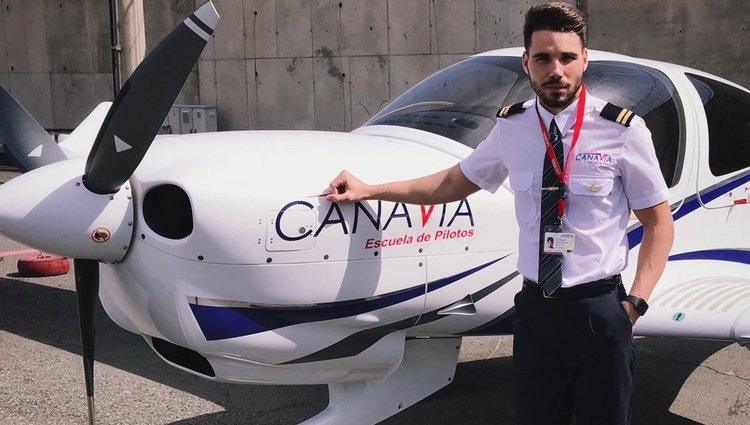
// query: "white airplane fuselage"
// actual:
[[269, 246], [222, 254]]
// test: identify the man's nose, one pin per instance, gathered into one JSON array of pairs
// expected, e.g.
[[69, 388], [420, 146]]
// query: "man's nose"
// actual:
[[556, 69]]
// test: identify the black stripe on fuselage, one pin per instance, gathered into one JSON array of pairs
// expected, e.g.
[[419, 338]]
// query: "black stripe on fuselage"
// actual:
[[362, 340]]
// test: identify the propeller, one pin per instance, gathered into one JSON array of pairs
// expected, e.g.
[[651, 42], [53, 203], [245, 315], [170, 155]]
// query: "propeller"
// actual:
[[122, 142], [87, 292], [144, 101], [93, 221], [26, 141]]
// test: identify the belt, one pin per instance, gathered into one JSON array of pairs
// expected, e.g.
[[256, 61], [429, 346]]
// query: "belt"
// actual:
[[578, 292]]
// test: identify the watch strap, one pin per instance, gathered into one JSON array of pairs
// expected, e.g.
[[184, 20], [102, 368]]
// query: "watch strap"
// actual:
[[639, 303]]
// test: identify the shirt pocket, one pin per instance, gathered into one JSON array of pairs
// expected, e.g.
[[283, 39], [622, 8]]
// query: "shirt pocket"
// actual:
[[589, 202], [526, 198]]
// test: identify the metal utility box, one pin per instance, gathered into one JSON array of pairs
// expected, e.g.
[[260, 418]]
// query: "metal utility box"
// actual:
[[183, 119]]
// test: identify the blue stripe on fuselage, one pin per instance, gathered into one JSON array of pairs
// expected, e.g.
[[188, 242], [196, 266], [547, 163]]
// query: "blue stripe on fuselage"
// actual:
[[221, 322], [692, 203], [731, 255]]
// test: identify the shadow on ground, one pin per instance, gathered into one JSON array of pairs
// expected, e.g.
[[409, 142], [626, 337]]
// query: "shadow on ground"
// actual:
[[479, 395]]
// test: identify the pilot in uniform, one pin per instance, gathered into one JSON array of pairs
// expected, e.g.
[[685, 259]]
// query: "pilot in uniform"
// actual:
[[573, 350]]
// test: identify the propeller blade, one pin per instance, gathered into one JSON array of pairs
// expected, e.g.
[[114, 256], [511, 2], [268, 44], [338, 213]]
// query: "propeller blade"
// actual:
[[25, 140], [87, 294], [144, 102]]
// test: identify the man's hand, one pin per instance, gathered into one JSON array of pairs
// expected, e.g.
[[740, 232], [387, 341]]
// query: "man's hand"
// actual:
[[632, 313], [448, 185], [346, 188]]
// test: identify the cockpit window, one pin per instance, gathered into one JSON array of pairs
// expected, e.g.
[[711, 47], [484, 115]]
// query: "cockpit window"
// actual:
[[461, 102], [728, 115]]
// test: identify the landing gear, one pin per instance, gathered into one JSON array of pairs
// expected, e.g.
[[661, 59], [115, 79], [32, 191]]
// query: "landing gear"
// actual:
[[428, 365]]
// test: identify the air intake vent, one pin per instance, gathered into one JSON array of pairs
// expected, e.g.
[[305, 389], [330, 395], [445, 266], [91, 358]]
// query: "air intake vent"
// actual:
[[168, 212], [712, 293], [184, 357]]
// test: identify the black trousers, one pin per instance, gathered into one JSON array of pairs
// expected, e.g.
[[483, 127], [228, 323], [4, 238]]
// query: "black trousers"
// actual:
[[572, 356]]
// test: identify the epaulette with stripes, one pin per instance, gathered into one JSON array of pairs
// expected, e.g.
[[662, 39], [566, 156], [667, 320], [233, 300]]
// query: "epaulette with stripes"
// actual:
[[506, 111], [617, 114]]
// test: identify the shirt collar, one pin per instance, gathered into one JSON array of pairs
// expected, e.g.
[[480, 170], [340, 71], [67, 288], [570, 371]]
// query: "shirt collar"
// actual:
[[565, 119]]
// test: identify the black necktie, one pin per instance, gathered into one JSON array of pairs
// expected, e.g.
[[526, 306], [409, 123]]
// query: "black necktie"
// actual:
[[550, 265]]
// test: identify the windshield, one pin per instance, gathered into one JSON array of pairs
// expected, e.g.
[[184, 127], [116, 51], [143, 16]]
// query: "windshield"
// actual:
[[461, 101]]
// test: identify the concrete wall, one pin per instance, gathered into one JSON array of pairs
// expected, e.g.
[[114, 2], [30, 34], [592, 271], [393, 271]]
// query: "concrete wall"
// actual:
[[708, 35], [327, 64], [54, 57]]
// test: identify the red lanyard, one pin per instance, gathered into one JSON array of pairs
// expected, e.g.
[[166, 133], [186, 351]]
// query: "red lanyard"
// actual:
[[562, 174]]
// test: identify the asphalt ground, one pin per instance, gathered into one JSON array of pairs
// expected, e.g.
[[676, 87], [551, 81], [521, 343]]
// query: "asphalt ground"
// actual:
[[678, 382]]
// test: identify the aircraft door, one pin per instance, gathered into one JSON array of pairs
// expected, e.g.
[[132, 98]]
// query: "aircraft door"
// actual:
[[724, 180], [469, 292]]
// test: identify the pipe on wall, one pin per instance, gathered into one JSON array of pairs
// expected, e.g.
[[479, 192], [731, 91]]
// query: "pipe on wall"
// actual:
[[115, 46]]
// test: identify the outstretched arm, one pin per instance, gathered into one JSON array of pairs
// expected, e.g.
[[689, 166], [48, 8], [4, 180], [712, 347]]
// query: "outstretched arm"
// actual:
[[444, 186], [658, 233]]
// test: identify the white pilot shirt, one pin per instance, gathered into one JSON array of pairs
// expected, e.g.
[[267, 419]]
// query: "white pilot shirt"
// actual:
[[613, 170]]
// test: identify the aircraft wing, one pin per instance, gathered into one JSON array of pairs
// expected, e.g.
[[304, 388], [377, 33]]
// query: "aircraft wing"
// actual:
[[702, 298]]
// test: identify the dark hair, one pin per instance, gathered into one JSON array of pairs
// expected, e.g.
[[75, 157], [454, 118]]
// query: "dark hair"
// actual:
[[554, 16]]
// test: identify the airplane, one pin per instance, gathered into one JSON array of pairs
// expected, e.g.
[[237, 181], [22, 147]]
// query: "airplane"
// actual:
[[218, 249]]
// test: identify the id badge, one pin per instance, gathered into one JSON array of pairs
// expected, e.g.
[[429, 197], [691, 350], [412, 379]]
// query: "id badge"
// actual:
[[558, 240]]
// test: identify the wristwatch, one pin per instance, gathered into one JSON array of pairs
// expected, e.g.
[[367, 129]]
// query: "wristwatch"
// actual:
[[639, 303]]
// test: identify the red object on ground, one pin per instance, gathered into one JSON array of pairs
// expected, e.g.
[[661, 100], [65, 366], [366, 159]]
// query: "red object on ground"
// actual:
[[43, 265]]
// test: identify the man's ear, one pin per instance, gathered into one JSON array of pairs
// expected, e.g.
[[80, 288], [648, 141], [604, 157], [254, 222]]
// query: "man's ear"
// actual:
[[585, 59], [525, 62]]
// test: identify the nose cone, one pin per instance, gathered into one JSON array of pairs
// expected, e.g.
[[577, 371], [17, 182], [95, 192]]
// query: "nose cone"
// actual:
[[50, 209]]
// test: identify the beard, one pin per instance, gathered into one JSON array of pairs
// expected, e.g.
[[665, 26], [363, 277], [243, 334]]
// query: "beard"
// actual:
[[558, 100]]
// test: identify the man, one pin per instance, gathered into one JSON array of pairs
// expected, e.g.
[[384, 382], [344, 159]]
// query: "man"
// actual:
[[573, 350]]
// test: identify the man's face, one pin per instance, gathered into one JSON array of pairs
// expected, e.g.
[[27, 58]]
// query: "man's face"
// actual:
[[555, 63]]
